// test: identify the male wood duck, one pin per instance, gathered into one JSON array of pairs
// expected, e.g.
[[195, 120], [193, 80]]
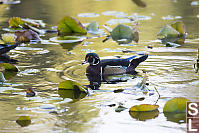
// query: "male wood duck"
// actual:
[[97, 68], [4, 49]]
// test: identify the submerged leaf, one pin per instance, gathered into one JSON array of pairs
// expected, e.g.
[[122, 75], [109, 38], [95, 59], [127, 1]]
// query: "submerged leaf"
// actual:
[[23, 121], [69, 25], [143, 116], [144, 107], [177, 104], [9, 38]]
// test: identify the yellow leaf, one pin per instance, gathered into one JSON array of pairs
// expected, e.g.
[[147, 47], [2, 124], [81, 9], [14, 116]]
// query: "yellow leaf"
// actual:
[[179, 26], [142, 116], [177, 104], [144, 107], [23, 121]]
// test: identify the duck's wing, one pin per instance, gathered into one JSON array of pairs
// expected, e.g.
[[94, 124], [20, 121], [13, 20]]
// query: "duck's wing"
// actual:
[[115, 62], [4, 48]]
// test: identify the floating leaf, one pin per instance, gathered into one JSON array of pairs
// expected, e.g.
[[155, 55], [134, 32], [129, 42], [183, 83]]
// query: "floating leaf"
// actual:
[[122, 34], [23, 121], [71, 89], [168, 31], [67, 39], [144, 107], [69, 25], [179, 26], [120, 108], [93, 27], [1, 42], [9, 67], [143, 116], [175, 117], [177, 104], [16, 22], [26, 36], [9, 38]]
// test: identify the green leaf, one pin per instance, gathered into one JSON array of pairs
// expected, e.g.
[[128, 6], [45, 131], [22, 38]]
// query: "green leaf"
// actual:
[[168, 31], [23, 121], [9, 38], [93, 27], [1, 42], [69, 25], [177, 104], [144, 107], [176, 117], [143, 116], [120, 108], [16, 22], [179, 26], [9, 67], [122, 34], [71, 89]]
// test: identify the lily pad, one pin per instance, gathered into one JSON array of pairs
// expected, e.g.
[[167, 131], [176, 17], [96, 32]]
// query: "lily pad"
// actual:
[[177, 104], [23, 121], [9, 70], [67, 39], [120, 108], [69, 25], [9, 38], [71, 89], [16, 22], [8, 67], [176, 117], [93, 27], [168, 31], [143, 116], [144, 107], [179, 26], [124, 34]]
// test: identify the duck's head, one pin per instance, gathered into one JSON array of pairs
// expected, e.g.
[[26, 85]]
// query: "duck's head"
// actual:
[[92, 58]]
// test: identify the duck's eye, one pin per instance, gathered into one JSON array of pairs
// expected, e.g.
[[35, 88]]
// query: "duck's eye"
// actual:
[[90, 59]]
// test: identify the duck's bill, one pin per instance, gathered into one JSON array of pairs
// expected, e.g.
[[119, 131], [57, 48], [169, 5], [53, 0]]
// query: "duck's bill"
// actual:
[[84, 62]]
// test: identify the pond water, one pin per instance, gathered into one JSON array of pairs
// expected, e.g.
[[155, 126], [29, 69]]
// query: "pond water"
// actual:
[[43, 66]]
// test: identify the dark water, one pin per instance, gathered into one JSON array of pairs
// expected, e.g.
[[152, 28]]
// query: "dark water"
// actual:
[[43, 66]]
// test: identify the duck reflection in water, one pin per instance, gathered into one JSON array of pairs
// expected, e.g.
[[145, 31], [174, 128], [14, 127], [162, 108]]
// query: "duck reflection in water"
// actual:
[[99, 69]]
